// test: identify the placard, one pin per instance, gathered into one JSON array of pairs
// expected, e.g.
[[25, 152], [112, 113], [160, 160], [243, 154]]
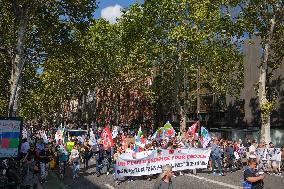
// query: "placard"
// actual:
[[10, 136]]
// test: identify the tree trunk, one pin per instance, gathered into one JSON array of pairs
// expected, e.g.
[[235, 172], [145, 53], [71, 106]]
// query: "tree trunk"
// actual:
[[17, 96], [198, 91], [182, 121], [265, 119], [117, 108], [18, 62], [265, 130]]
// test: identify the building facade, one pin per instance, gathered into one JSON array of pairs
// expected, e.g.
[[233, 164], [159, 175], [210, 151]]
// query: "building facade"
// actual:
[[242, 117]]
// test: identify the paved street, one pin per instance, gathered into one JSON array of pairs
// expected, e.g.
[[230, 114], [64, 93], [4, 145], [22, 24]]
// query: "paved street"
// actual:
[[203, 180]]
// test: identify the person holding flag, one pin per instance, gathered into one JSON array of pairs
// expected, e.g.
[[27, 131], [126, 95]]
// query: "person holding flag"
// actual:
[[75, 160], [99, 157], [107, 145], [107, 138], [191, 134], [216, 154]]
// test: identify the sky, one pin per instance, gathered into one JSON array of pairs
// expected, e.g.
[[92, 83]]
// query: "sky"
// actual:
[[110, 9]]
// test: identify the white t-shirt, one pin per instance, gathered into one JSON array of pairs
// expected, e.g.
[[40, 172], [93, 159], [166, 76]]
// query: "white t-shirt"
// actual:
[[75, 155], [236, 154], [252, 151]]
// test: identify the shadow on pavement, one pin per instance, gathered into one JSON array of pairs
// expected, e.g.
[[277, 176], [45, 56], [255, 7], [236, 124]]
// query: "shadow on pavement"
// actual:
[[54, 182]]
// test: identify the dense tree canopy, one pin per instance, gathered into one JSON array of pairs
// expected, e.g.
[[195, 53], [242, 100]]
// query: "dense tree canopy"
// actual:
[[185, 47]]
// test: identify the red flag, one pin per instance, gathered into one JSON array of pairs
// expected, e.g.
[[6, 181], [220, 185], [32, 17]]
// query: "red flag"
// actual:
[[191, 130], [170, 132], [107, 138], [142, 139], [123, 140]]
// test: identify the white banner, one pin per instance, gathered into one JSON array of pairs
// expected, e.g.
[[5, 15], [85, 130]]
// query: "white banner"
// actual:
[[151, 162]]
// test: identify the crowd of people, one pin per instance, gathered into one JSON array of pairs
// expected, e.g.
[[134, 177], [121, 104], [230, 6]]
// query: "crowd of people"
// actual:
[[42, 150]]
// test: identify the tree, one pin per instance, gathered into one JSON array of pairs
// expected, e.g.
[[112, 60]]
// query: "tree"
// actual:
[[165, 40], [187, 36], [49, 19], [263, 19]]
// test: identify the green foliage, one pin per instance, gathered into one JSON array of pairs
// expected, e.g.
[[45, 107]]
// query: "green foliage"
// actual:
[[185, 36], [266, 108], [255, 19], [166, 40], [50, 28]]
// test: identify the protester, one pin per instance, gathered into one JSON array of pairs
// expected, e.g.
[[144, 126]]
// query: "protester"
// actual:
[[87, 154], [274, 164], [39, 145], [252, 178], [224, 154], [262, 160], [24, 148], [282, 158], [99, 158], [109, 153], [216, 157], [44, 159], [229, 151], [62, 160], [164, 181], [29, 168], [252, 150], [238, 160], [75, 160], [31, 153]]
